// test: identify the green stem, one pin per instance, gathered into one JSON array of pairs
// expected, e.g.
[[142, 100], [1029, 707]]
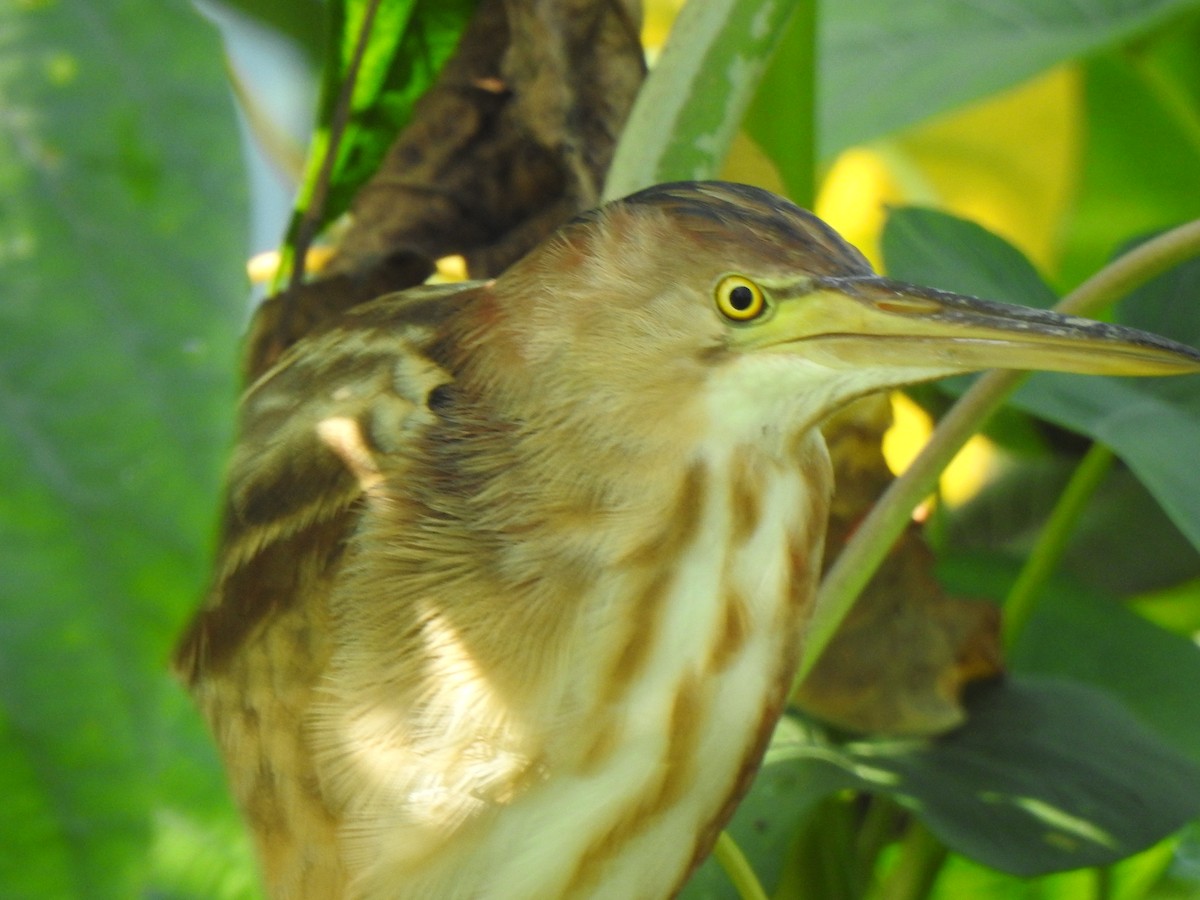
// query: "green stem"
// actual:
[[877, 830], [737, 867], [874, 537], [921, 859], [1052, 542], [323, 156]]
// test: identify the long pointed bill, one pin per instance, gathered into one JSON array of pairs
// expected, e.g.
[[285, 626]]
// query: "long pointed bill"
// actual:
[[876, 322]]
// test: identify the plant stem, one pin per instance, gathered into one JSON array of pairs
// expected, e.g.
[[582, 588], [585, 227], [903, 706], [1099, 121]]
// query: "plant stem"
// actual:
[[1052, 542], [737, 867], [878, 531], [877, 829], [326, 145], [921, 858]]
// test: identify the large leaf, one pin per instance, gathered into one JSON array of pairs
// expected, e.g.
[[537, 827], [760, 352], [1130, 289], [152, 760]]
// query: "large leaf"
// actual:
[[1045, 776], [1141, 169], [1154, 428], [1007, 515], [940, 250], [1152, 671], [885, 65], [1049, 776], [121, 238], [1152, 424], [691, 106], [882, 66]]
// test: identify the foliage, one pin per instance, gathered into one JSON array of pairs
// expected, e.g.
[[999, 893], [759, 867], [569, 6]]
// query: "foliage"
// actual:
[[121, 238]]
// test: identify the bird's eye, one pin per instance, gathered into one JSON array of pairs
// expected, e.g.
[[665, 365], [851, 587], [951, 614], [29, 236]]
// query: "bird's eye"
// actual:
[[740, 299]]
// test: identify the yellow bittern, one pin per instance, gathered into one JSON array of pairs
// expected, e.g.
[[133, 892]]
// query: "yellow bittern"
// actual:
[[514, 574]]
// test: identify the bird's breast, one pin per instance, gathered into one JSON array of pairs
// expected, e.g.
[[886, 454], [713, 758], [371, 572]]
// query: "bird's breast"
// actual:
[[610, 774]]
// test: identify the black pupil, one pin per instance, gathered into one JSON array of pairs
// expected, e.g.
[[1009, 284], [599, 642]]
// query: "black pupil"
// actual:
[[741, 298]]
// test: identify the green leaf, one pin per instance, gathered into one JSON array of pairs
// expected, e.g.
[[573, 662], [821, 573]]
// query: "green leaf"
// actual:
[[1141, 169], [1045, 776], [1151, 670], [121, 238], [1135, 878], [1008, 513], [934, 248], [1082, 635], [691, 106], [408, 45], [786, 131], [1050, 776], [886, 65], [404, 49], [1154, 427]]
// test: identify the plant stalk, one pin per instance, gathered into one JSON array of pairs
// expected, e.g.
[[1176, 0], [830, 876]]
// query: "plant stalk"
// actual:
[[1052, 542], [738, 868]]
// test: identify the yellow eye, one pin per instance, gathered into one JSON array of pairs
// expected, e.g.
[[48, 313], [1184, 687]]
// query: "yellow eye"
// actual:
[[740, 299]]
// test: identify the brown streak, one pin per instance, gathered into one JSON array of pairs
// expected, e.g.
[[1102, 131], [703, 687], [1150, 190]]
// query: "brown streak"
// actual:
[[606, 740], [745, 498], [732, 636], [773, 704], [677, 771], [687, 715], [642, 634], [680, 523], [269, 582]]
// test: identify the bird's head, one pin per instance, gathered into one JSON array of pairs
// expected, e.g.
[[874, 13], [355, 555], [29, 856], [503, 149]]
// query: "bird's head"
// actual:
[[730, 297]]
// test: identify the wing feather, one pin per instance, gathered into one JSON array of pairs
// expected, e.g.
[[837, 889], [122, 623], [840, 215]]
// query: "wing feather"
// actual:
[[315, 432]]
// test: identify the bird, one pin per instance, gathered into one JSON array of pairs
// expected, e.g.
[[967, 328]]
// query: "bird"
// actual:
[[513, 575]]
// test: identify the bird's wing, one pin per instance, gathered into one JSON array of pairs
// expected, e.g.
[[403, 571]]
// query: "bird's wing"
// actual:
[[316, 432]]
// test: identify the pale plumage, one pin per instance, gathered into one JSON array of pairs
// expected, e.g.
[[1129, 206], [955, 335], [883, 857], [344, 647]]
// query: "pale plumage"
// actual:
[[514, 574]]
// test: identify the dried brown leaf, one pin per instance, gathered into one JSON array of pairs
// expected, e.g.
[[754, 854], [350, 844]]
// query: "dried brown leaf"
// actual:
[[900, 661]]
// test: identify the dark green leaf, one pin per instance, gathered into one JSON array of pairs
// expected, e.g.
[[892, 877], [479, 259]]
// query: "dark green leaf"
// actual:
[[1079, 634], [1153, 426], [1045, 776], [1049, 776], [1141, 168], [786, 130], [1008, 514]]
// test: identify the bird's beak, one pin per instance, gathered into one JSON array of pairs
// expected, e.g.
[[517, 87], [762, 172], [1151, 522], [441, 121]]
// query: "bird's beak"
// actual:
[[876, 322]]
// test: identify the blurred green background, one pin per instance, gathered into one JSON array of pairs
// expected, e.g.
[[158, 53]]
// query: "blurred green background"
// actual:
[[144, 159]]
